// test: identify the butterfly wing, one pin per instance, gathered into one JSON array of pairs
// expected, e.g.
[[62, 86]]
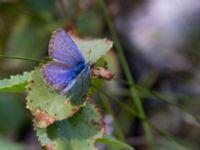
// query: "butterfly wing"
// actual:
[[81, 86], [58, 75], [68, 63], [63, 49], [62, 78]]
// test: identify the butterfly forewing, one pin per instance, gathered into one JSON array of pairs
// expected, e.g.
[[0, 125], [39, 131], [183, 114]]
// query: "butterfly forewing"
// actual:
[[63, 49]]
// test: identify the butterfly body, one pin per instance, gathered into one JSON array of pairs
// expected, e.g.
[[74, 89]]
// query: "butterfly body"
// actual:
[[79, 68], [68, 72]]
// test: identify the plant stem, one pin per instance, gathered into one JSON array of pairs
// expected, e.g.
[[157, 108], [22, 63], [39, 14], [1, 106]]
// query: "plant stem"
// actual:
[[22, 58], [169, 137], [108, 108], [129, 110], [135, 96], [124, 106]]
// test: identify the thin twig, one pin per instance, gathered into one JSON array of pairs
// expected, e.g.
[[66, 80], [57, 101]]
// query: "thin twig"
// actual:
[[22, 58]]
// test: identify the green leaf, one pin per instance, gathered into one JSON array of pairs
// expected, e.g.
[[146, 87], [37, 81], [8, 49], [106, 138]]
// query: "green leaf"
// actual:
[[93, 49], [75, 133], [111, 141], [16, 83], [47, 105]]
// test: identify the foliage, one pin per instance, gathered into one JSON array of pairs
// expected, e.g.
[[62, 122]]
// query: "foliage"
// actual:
[[47, 105], [157, 115], [93, 49], [57, 121], [15, 83], [111, 141], [77, 132]]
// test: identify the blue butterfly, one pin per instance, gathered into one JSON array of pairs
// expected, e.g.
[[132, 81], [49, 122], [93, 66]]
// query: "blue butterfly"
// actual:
[[68, 72]]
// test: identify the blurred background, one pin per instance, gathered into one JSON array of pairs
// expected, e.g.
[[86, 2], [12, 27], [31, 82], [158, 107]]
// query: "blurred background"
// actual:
[[161, 42]]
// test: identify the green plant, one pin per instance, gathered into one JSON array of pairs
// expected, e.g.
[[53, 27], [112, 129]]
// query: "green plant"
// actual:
[[59, 124]]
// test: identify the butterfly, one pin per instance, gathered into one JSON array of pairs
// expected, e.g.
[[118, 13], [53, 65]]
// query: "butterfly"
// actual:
[[68, 72]]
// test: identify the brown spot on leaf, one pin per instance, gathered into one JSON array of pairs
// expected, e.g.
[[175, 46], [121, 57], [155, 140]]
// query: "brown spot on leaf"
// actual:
[[75, 109], [94, 123], [67, 101], [103, 73], [101, 122], [110, 43], [50, 147], [42, 119]]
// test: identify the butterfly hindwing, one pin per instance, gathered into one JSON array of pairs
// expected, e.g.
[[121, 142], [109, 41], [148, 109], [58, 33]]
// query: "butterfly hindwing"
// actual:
[[81, 86], [62, 78], [58, 75]]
